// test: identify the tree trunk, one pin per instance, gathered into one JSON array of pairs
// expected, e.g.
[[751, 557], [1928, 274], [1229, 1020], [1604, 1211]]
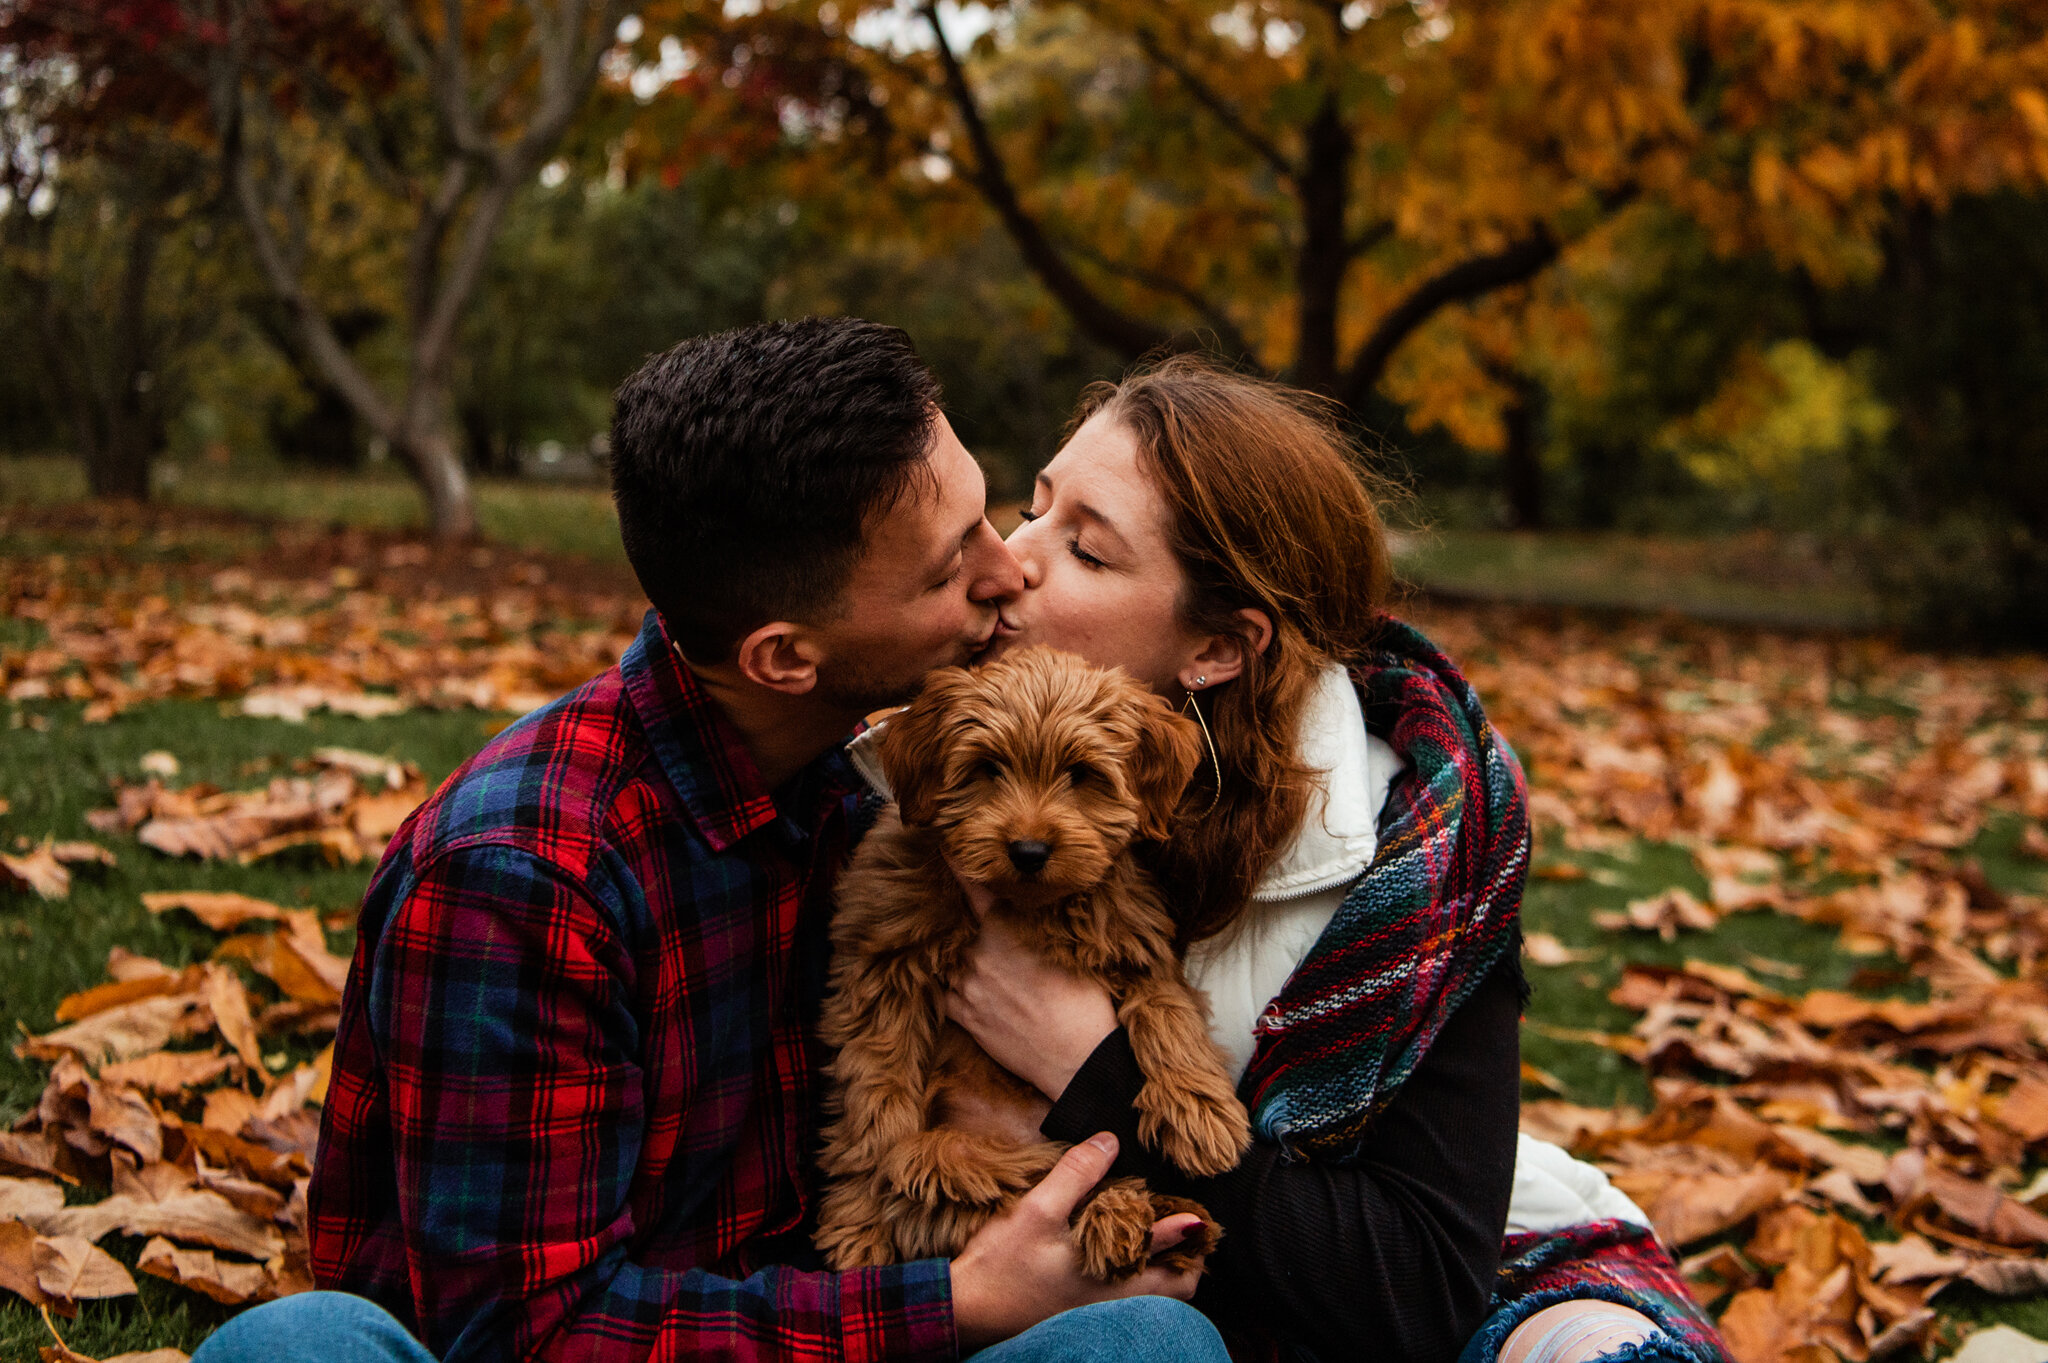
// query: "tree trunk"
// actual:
[[431, 449], [1320, 267], [117, 465], [1522, 460]]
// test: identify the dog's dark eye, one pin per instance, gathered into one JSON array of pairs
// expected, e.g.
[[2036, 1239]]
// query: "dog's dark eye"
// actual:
[[1081, 774], [987, 771]]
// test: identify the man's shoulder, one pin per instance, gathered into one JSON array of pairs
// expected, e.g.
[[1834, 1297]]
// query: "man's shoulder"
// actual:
[[548, 785]]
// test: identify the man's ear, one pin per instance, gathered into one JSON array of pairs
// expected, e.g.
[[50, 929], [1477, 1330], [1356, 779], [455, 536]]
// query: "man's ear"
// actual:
[[1169, 749], [912, 748], [780, 657], [1222, 656]]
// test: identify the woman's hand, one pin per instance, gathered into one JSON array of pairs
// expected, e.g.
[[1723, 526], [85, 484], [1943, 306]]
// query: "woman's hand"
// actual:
[[1038, 1021]]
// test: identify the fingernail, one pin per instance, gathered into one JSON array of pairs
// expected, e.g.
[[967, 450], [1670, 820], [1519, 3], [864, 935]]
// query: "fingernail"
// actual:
[[1105, 1142]]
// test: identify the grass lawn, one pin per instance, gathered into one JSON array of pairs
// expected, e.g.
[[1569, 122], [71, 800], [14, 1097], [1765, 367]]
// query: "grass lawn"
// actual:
[[1753, 579], [54, 767]]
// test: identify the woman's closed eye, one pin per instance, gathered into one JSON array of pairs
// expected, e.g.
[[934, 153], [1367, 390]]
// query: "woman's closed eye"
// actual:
[[1074, 548]]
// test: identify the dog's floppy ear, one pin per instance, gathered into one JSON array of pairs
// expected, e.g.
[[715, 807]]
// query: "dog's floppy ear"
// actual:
[[1169, 748], [913, 745]]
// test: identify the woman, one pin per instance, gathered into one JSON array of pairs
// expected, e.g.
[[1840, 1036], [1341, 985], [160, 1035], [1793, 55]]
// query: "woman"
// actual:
[[1349, 874]]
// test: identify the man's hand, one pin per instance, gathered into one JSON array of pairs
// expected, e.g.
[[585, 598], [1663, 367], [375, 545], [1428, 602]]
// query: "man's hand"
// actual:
[[1037, 1020], [1021, 1268]]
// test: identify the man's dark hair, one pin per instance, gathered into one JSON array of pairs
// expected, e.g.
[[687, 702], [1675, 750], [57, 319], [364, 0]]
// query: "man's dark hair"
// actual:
[[747, 467]]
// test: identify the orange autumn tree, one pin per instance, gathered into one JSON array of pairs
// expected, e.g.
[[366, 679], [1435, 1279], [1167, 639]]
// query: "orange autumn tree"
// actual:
[[1312, 186]]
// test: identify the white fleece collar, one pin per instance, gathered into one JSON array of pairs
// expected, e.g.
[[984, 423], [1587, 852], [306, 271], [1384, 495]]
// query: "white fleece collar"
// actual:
[[1339, 830]]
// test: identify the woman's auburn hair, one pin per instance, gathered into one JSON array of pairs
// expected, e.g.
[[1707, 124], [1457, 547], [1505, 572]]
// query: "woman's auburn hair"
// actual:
[[1270, 509]]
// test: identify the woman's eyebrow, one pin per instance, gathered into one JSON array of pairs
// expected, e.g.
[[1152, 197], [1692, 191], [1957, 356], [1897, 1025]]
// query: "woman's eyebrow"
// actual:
[[1085, 511]]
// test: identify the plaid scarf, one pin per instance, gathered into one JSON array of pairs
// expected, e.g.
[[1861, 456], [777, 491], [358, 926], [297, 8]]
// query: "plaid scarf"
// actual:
[[1430, 918], [1437, 910]]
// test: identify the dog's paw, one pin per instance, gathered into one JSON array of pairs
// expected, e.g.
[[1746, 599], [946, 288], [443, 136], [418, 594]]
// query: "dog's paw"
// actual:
[[1202, 1129], [1113, 1231], [1193, 1250], [942, 1166]]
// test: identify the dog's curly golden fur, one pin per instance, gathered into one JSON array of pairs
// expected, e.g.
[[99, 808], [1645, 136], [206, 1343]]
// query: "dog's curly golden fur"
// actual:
[[1032, 776]]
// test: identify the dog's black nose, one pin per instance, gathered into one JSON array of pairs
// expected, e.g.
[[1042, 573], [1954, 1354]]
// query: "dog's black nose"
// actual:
[[1029, 855]]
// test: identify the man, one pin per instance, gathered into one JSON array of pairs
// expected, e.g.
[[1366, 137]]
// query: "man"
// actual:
[[575, 1086]]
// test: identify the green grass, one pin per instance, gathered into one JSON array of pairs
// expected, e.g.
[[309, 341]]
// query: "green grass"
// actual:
[[1750, 579], [52, 948], [1746, 579], [558, 518]]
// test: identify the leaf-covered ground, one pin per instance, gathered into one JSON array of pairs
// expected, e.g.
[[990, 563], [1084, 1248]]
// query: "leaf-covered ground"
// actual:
[[1787, 928]]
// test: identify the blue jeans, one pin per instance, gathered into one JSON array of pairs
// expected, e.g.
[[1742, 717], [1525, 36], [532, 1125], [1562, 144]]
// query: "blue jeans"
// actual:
[[334, 1327]]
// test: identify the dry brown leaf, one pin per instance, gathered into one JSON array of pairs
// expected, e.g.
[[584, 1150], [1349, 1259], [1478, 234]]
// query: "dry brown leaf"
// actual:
[[228, 1110], [125, 1031], [219, 910], [75, 1269], [224, 1280], [193, 1216], [33, 1152], [2024, 1108], [1689, 1208], [29, 1199], [229, 1003], [169, 1073], [124, 965], [2003, 1277], [1985, 1209], [126, 1118], [36, 872], [1545, 949], [1567, 1124], [101, 997], [2034, 842], [82, 853], [18, 1263], [1664, 914]]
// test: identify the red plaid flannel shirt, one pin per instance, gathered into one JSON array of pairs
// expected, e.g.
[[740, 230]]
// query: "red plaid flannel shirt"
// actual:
[[573, 1110]]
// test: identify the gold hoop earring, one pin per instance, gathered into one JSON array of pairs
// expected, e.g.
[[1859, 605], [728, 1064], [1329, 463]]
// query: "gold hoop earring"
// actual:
[[1214, 762]]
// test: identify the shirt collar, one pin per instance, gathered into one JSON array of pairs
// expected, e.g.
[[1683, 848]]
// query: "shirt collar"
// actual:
[[703, 755]]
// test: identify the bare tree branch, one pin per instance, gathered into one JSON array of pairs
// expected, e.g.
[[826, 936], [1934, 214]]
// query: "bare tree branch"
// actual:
[[1460, 283], [1096, 316], [1229, 336], [1222, 109]]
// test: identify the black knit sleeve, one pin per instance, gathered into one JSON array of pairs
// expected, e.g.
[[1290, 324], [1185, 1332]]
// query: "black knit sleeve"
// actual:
[[1391, 1255]]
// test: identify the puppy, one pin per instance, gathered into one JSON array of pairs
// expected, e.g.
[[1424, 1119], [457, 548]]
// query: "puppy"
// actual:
[[1031, 776]]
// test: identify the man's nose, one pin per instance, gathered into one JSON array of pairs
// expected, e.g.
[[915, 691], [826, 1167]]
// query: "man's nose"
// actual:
[[999, 576]]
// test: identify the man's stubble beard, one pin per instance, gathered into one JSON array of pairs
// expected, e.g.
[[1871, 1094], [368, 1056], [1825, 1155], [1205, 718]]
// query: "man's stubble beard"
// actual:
[[859, 689]]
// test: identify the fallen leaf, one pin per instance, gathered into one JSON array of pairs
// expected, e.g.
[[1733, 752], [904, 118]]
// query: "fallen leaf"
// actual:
[[170, 1073], [1691, 1207], [159, 763], [125, 1031], [101, 997], [29, 1199], [37, 871], [2024, 1108], [75, 1269], [1545, 949], [228, 1110], [1543, 1079], [225, 1281], [2001, 1344], [229, 1002], [194, 1216], [221, 911], [1665, 914], [18, 1263]]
